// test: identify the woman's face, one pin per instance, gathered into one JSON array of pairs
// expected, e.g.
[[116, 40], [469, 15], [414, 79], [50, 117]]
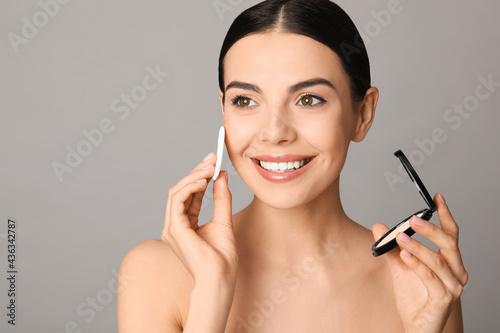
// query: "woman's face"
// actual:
[[266, 112]]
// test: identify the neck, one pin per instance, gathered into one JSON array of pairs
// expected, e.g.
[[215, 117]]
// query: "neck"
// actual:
[[285, 236]]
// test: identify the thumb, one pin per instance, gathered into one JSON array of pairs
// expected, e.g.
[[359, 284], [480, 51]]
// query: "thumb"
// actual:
[[392, 257], [222, 200], [378, 230]]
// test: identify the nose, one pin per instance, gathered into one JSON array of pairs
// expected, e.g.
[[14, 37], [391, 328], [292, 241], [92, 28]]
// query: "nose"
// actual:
[[278, 127]]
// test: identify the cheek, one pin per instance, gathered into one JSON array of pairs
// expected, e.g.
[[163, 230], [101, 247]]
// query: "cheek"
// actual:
[[327, 133], [239, 134]]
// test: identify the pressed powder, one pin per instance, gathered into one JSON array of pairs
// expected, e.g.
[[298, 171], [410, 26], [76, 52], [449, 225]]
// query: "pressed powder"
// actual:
[[401, 227]]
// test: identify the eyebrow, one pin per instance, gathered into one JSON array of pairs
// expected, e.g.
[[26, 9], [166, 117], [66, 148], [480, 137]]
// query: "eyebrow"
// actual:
[[290, 90]]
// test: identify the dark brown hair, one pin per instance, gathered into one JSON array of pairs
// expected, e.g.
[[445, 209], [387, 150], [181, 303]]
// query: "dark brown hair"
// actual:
[[321, 20]]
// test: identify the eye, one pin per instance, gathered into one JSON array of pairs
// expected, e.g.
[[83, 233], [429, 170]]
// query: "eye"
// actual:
[[242, 101], [308, 100]]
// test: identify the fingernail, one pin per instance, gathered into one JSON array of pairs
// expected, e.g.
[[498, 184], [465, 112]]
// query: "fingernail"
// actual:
[[442, 198], [227, 177], [406, 253], [208, 166], [418, 221], [207, 157], [405, 238], [201, 180]]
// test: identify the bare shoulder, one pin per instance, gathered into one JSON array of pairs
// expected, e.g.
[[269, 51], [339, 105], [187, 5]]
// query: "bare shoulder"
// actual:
[[153, 288], [375, 277], [375, 269]]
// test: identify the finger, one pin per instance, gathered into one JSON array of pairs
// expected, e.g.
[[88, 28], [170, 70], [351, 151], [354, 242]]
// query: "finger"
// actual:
[[436, 290], [448, 245], [435, 264], [209, 159], [176, 230], [222, 200], [392, 257], [204, 169], [195, 203], [447, 221], [449, 225], [194, 174], [179, 220], [181, 230], [197, 173]]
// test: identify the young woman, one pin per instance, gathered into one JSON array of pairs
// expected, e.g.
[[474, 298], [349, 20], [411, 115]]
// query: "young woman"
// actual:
[[295, 87]]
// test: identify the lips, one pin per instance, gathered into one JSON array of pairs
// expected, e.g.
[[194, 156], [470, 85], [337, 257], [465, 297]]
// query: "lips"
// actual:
[[281, 177]]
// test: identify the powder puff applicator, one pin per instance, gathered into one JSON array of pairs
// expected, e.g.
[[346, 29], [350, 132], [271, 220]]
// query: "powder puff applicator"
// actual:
[[220, 150]]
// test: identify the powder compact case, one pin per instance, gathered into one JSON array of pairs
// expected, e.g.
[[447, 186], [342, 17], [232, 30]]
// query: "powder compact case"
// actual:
[[388, 241]]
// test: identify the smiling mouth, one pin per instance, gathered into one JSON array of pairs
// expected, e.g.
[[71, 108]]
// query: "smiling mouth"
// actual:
[[280, 167]]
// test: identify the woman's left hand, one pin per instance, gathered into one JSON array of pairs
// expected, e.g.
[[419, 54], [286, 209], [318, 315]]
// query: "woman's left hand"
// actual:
[[426, 284]]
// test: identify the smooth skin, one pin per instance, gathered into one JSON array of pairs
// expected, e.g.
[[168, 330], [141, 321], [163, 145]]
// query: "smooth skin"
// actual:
[[292, 260]]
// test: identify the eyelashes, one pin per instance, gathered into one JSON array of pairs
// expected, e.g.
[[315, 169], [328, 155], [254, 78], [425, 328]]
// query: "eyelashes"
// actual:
[[235, 101]]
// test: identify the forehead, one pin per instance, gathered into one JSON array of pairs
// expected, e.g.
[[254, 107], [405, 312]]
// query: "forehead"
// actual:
[[280, 57]]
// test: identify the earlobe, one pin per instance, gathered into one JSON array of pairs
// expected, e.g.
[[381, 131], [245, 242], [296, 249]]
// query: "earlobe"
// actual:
[[366, 114]]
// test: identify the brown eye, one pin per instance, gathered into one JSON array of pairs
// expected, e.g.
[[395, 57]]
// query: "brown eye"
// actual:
[[307, 100], [244, 101], [311, 100]]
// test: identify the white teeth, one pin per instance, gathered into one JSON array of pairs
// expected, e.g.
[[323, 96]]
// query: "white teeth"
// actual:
[[283, 166]]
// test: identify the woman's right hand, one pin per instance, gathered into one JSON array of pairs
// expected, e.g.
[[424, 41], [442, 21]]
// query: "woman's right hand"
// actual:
[[208, 252]]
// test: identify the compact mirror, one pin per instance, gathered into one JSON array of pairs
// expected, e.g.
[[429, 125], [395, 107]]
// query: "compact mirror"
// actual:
[[388, 241]]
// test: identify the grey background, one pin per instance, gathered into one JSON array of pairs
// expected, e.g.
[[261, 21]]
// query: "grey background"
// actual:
[[73, 234]]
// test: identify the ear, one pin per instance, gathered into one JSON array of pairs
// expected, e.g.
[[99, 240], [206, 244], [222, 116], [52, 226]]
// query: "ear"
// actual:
[[366, 112], [221, 95]]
